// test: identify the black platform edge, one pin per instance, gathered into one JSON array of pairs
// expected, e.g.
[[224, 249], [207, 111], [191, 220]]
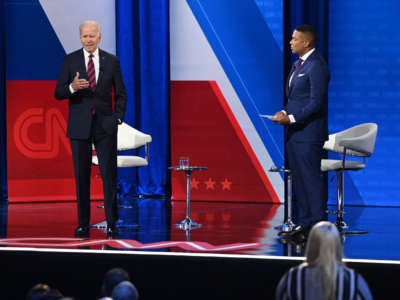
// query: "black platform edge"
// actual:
[[167, 275]]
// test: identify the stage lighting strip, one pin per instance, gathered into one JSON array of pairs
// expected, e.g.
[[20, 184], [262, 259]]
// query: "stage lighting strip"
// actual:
[[123, 244]]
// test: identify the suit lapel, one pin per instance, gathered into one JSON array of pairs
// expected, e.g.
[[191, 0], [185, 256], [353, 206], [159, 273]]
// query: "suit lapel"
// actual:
[[288, 80], [82, 66], [290, 86], [102, 62], [302, 67]]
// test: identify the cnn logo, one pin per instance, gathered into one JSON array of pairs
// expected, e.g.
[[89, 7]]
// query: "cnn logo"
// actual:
[[53, 128]]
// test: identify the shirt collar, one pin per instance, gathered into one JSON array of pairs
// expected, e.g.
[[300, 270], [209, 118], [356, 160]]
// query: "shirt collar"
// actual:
[[95, 53], [305, 56]]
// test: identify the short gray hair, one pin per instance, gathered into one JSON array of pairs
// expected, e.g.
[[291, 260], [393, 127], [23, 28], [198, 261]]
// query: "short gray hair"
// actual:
[[89, 22]]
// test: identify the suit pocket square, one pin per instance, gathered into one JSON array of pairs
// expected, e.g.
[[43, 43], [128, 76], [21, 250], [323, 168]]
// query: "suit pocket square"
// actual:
[[301, 75]]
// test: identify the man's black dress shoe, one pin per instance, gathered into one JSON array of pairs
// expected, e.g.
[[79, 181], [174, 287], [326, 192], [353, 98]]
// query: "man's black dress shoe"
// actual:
[[82, 231], [297, 240], [295, 231], [298, 229]]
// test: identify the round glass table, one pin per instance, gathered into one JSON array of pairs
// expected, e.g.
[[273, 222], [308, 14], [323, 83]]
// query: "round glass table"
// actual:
[[188, 223]]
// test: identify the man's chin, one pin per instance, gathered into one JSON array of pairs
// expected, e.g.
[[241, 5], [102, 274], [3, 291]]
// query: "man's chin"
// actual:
[[90, 49]]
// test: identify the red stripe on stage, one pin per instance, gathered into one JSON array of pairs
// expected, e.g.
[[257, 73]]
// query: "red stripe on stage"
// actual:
[[124, 244]]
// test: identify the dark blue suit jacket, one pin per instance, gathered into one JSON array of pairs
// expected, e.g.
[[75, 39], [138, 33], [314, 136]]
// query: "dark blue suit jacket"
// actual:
[[307, 101], [82, 102]]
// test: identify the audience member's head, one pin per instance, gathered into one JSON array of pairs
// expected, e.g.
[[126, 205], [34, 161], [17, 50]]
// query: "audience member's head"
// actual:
[[324, 245], [324, 251], [53, 294], [125, 291], [112, 278], [37, 291], [42, 291]]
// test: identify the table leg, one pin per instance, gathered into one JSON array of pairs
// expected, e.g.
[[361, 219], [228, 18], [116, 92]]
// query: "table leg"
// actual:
[[288, 224], [188, 178], [188, 224]]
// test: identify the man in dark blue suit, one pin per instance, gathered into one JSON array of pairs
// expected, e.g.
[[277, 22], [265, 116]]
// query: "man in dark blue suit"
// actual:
[[87, 78], [306, 120]]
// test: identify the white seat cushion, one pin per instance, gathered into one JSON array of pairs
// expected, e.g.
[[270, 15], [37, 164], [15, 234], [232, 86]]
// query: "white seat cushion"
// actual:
[[124, 161], [334, 165], [131, 161]]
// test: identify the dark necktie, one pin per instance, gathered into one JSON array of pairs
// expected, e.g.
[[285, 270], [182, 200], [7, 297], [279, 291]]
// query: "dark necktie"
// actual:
[[296, 69], [91, 73], [297, 66]]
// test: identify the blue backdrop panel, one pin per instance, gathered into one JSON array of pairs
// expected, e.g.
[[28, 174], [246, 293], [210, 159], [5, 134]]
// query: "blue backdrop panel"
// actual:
[[252, 59], [365, 87], [125, 45], [312, 12], [143, 49], [272, 11], [33, 49]]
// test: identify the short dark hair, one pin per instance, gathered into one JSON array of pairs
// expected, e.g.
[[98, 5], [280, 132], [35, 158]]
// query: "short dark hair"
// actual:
[[309, 30], [112, 278]]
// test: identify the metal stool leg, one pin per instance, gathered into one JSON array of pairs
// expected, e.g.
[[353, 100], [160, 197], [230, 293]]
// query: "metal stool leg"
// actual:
[[288, 223], [340, 223]]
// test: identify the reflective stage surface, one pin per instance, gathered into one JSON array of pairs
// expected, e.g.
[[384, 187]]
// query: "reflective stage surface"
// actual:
[[227, 228]]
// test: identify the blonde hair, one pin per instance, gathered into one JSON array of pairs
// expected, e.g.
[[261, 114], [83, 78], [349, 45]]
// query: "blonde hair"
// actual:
[[324, 251], [89, 22]]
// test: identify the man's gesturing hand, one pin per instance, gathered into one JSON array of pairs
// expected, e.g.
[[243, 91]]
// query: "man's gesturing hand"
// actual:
[[79, 84], [281, 118]]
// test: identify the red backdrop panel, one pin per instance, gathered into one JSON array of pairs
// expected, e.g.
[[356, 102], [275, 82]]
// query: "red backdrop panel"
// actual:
[[39, 157], [204, 129]]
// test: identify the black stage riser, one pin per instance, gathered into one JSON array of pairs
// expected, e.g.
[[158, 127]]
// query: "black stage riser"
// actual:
[[158, 276]]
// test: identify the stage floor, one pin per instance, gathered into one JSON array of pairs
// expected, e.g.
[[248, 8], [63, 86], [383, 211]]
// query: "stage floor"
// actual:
[[233, 228]]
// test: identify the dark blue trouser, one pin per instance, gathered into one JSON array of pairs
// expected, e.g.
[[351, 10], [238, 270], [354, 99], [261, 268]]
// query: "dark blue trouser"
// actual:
[[309, 186]]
